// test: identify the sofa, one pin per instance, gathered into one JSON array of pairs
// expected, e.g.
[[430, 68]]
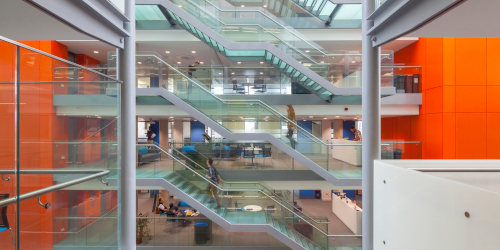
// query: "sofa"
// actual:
[[147, 155]]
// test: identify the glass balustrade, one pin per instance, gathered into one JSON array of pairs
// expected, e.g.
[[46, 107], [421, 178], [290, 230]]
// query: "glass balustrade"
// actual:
[[53, 136]]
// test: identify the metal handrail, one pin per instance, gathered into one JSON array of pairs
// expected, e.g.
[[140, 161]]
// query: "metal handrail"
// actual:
[[223, 189], [456, 169], [55, 57], [299, 51], [29, 195], [270, 18], [260, 184]]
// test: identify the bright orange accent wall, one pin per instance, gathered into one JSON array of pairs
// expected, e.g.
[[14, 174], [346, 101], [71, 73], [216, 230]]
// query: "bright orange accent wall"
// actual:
[[460, 109]]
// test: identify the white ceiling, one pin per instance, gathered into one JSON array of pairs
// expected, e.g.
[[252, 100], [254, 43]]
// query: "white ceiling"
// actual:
[[473, 18], [21, 21]]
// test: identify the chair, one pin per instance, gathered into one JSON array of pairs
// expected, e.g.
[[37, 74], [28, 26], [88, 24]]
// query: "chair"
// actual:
[[237, 88], [249, 154], [4, 222], [266, 153], [225, 152], [263, 89]]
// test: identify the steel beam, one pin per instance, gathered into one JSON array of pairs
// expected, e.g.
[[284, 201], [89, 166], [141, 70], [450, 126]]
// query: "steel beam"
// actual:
[[127, 184]]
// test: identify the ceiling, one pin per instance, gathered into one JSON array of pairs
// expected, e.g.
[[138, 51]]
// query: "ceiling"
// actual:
[[473, 18], [21, 21]]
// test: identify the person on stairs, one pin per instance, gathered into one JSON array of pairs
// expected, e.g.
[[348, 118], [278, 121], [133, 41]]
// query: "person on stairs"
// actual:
[[215, 179], [291, 125]]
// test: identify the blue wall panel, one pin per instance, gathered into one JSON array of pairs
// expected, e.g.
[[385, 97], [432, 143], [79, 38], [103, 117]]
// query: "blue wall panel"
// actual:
[[304, 147], [347, 130], [197, 129]]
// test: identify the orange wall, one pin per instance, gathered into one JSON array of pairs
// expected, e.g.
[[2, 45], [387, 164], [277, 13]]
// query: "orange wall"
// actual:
[[460, 90]]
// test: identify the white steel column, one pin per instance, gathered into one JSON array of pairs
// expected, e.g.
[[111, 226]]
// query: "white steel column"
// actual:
[[127, 184], [371, 120]]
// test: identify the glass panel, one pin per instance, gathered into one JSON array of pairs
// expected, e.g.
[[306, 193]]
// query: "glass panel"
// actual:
[[52, 143]]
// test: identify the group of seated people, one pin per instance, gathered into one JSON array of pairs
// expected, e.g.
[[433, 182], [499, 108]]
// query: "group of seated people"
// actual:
[[174, 210]]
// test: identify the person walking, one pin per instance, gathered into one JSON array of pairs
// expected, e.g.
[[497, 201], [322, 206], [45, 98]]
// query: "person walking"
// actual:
[[190, 70], [150, 134], [291, 124], [214, 181]]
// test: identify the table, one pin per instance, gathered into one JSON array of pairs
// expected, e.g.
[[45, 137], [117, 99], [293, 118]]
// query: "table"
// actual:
[[254, 149], [252, 208]]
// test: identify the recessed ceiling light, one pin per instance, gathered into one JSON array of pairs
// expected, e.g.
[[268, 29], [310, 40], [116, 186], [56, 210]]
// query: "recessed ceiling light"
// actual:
[[178, 62], [355, 118], [168, 52], [171, 117], [201, 62], [325, 118], [307, 51], [232, 73], [180, 6], [353, 61], [337, 116], [322, 61], [95, 51], [193, 51], [220, 73], [195, 120], [304, 120], [265, 6], [333, 57], [139, 62], [239, 62], [261, 62], [242, 6], [261, 73]]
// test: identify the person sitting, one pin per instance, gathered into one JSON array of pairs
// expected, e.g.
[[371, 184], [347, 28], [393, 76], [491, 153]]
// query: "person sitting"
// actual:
[[162, 207], [179, 212]]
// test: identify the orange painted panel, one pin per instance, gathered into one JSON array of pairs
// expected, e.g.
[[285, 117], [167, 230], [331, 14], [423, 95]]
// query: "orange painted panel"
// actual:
[[449, 61], [493, 150], [403, 128], [471, 136], [471, 99], [433, 70], [418, 128], [449, 98], [449, 140], [422, 108], [493, 99], [492, 61], [470, 61], [403, 56], [433, 145], [434, 100], [387, 128]]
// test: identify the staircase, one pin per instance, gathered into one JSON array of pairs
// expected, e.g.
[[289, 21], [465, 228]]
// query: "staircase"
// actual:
[[276, 218], [197, 100], [290, 58]]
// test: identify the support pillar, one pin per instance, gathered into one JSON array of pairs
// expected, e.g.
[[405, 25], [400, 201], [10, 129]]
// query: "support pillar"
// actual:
[[371, 120], [127, 210]]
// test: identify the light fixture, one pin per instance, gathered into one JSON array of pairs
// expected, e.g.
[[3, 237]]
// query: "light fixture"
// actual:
[[325, 118], [193, 51], [265, 6], [307, 51], [139, 62], [98, 117], [178, 62], [201, 62], [195, 120], [239, 62], [353, 61], [95, 51], [242, 6], [261, 73], [261, 62], [355, 118], [232, 73], [168, 52], [333, 57], [180, 6], [337, 116], [220, 73], [322, 61], [171, 117], [304, 120]]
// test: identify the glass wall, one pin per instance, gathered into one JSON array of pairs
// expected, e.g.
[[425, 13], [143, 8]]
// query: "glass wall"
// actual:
[[59, 139]]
